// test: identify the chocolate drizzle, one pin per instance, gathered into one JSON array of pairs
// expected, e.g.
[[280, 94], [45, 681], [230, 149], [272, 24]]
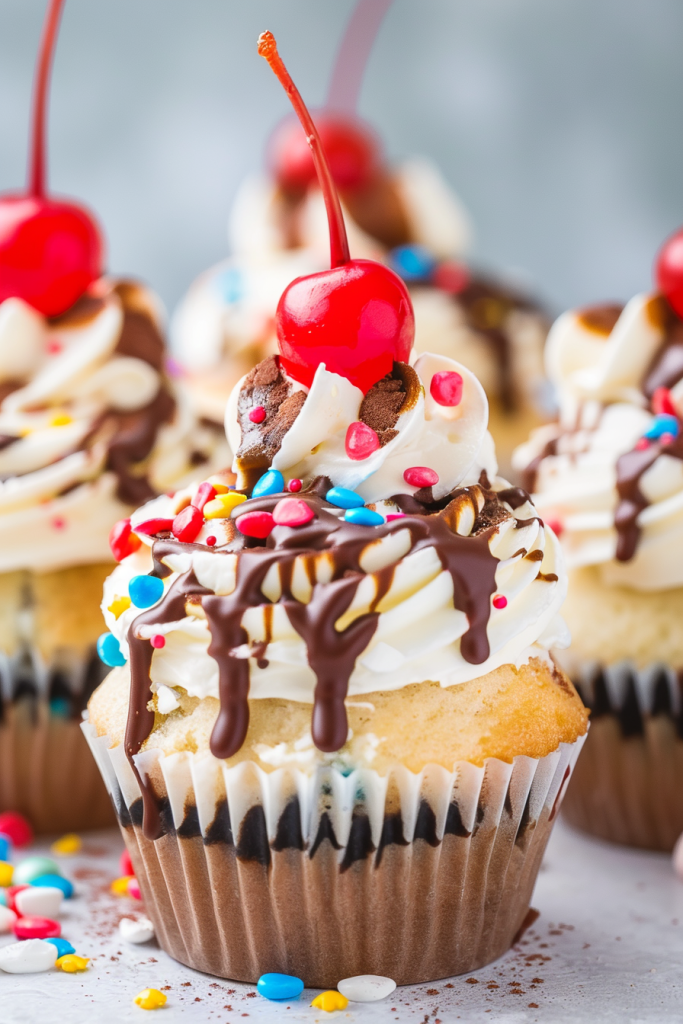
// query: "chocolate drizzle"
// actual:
[[631, 467]]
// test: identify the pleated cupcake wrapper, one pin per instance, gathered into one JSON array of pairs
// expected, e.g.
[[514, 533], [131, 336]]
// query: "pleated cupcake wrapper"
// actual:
[[627, 784], [325, 876], [46, 770]]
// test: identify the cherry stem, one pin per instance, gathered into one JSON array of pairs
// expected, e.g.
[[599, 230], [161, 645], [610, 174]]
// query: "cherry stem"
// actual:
[[37, 162], [354, 53], [339, 244]]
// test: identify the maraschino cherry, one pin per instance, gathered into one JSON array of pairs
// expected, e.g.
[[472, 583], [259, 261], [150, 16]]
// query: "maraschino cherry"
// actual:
[[357, 318], [50, 250], [669, 271]]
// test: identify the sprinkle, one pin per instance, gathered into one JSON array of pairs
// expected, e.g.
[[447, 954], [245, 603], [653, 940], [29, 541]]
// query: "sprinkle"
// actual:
[[36, 928], [58, 523], [667, 439], [16, 826], [294, 486], [119, 605], [110, 651], [120, 885], [451, 277], [39, 901], [412, 262], [556, 526], [54, 347], [62, 946], [395, 515], [255, 524], [6, 873], [205, 492], [361, 441], [500, 601], [187, 524], [662, 402], [662, 424], [221, 507], [292, 512], [219, 484], [641, 444], [55, 882], [257, 414], [136, 931], [279, 986], [211, 541], [446, 388], [366, 988], [60, 419], [34, 867], [271, 482], [30, 957], [145, 591], [134, 888], [150, 999], [158, 641], [330, 1001], [363, 517], [420, 476], [72, 963], [342, 497], [150, 527]]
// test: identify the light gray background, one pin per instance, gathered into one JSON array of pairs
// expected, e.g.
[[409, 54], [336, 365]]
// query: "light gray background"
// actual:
[[559, 122]]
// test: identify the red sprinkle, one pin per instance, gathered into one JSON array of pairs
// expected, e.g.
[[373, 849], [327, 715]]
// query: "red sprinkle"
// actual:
[[211, 542], [36, 928], [10, 892], [255, 524], [122, 540], [257, 414], [126, 864], [205, 492], [556, 526], [152, 526], [58, 523], [446, 388], [642, 444], [667, 439], [451, 277], [187, 524], [500, 601], [420, 476], [16, 826], [54, 347], [294, 486], [662, 403], [395, 515], [361, 441], [158, 640], [292, 512]]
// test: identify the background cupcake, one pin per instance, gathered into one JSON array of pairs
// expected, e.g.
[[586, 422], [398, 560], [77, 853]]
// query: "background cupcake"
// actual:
[[337, 707], [610, 476], [90, 426]]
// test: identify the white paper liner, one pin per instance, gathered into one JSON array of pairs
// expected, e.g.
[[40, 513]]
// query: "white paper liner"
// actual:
[[412, 876]]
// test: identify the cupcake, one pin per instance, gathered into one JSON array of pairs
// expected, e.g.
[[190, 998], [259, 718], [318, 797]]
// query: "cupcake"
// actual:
[[405, 215], [338, 708], [608, 474], [90, 426]]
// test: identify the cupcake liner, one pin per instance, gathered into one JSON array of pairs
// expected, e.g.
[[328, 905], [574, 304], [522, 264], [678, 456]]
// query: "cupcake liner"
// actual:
[[412, 876], [627, 784], [46, 770]]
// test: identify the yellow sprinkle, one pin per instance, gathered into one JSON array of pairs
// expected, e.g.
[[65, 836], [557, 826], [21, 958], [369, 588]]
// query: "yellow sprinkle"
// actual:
[[329, 1001], [222, 506], [218, 485], [25, 431], [118, 606], [120, 885], [6, 872], [61, 419], [68, 844], [150, 999], [72, 963]]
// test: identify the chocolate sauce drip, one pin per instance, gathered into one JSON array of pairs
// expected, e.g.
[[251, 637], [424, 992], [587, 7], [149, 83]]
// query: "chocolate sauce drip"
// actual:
[[530, 473], [135, 435], [630, 469], [6, 440], [666, 368], [514, 496], [600, 319]]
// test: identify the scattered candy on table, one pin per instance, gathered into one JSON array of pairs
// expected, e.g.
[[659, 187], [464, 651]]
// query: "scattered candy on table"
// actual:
[[366, 988], [39, 901], [33, 867], [72, 843], [134, 888], [342, 497], [120, 885], [72, 963], [330, 1001], [6, 873], [29, 957], [145, 591], [126, 864], [150, 999], [363, 517], [5, 847], [17, 828], [36, 928], [62, 946], [279, 986], [136, 931], [271, 482], [7, 919], [11, 892]]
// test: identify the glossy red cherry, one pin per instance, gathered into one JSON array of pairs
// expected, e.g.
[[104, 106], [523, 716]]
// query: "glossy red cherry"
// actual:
[[357, 318], [669, 271], [351, 148], [50, 249]]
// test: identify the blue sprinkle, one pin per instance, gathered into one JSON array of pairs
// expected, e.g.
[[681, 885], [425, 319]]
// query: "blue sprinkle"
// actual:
[[342, 497], [63, 947], [279, 986], [109, 650], [229, 285], [271, 482], [662, 424], [412, 262], [363, 517], [55, 882], [145, 590], [5, 847], [3, 898]]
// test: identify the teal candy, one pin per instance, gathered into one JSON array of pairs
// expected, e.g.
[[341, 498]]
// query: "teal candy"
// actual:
[[662, 424], [271, 482], [55, 882], [279, 986], [145, 591], [109, 650], [363, 517], [412, 262], [63, 947], [33, 867], [342, 497]]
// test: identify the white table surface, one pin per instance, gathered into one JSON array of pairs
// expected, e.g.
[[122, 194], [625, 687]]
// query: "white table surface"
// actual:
[[608, 946]]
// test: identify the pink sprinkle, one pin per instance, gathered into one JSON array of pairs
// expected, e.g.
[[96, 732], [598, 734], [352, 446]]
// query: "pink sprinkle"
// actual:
[[420, 476], [446, 388], [205, 492], [187, 524], [294, 486], [667, 439], [451, 277], [54, 347], [642, 444], [134, 889], [395, 515], [361, 441], [499, 601], [255, 524], [662, 403], [292, 512], [158, 640], [211, 541], [257, 414], [556, 526], [58, 523]]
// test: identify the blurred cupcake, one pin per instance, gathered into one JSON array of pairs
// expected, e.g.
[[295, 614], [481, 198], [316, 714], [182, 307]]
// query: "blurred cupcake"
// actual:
[[609, 476]]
